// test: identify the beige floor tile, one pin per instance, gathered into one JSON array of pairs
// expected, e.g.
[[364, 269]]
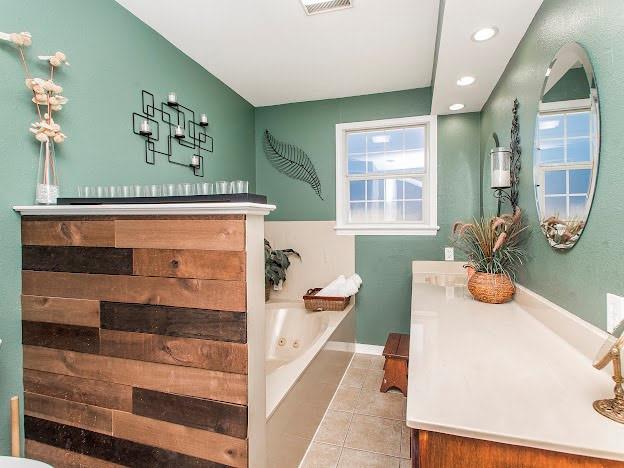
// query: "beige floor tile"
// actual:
[[377, 362], [373, 379], [333, 429], [379, 435], [362, 361], [322, 456], [354, 377], [345, 399], [360, 459], [385, 405], [405, 441], [406, 464]]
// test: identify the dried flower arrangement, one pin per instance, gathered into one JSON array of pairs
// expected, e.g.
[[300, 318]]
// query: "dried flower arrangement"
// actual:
[[562, 234]]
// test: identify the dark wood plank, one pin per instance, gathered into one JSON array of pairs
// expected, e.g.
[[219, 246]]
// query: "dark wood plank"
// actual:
[[102, 260], [174, 321], [204, 354], [96, 233], [60, 458], [89, 391], [62, 411], [201, 264], [403, 348], [53, 335], [105, 447], [60, 310], [214, 416], [181, 234], [202, 294], [214, 385], [181, 439], [392, 343]]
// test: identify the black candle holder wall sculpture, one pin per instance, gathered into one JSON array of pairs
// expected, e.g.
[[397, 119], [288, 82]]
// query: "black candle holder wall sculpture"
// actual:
[[183, 130]]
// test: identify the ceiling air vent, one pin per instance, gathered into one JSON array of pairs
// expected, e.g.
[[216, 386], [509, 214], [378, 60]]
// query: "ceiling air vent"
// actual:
[[312, 7]]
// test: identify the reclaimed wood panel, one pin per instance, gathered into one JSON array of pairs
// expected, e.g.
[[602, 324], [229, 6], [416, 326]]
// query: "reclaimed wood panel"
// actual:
[[190, 352], [201, 264], [60, 458], [62, 411], [59, 336], [197, 443], [208, 415], [101, 260], [79, 312], [181, 234], [214, 385], [203, 294], [105, 447], [89, 391], [174, 321], [65, 232]]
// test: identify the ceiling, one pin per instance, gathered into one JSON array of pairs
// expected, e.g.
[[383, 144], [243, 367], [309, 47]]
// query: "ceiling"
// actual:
[[271, 52]]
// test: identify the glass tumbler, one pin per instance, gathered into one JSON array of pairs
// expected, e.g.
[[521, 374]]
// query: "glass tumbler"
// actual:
[[240, 186], [169, 190], [222, 187], [207, 188], [154, 190]]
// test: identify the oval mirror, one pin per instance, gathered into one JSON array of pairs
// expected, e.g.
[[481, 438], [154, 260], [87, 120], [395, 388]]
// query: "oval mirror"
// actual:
[[567, 146]]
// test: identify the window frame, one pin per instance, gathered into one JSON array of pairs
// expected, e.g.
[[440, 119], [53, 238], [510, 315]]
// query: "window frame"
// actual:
[[429, 225]]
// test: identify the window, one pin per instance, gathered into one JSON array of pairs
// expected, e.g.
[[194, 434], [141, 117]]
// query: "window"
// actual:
[[565, 163], [386, 177]]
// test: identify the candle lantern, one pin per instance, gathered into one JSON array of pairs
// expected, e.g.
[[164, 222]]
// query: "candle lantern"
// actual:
[[203, 120], [179, 133], [500, 168], [194, 161], [172, 99], [145, 128]]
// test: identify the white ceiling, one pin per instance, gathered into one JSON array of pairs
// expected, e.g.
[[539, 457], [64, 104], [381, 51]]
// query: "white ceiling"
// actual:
[[271, 53]]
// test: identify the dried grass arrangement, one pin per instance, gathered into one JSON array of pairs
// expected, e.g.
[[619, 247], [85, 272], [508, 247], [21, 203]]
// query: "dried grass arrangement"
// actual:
[[562, 234], [495, 250]]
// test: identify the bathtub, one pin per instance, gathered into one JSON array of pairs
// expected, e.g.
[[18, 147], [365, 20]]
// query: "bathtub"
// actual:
[[307, 353]]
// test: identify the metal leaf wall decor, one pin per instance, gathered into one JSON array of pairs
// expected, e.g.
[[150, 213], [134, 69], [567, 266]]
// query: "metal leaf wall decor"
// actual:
[[516, 153], [292, 161]]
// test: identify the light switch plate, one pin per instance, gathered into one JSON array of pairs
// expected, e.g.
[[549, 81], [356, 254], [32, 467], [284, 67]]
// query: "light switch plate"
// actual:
[[449, 254], [615, 311]]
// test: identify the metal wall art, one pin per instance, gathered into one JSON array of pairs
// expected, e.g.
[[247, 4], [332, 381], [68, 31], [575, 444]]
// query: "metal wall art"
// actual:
[[292, 161], [183, 130]]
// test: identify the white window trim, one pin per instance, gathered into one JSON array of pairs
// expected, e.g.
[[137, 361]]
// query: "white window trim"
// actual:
[[431, 228]]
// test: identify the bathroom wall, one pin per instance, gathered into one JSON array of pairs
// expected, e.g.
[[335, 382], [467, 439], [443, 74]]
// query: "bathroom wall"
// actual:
[[384, 262], [579, 278], [113, 57]]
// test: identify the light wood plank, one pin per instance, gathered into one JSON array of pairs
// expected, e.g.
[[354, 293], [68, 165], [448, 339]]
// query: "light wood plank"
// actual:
[[200, 264], [203, 294], [181, 234], [190, 381], [60, 310], [190, 352], [62, 411], [60, 458], [187, 440], [64, 232]]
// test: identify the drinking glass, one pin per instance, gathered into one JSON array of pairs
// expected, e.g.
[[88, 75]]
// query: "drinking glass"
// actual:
[[207, 188], [222, 187], [112, 191], [126, 191], [169, 190], [154, 190], [187, 189], [89, 192], [101, 191], [138, 190], [240, 186], [81, 191], [197, 188]]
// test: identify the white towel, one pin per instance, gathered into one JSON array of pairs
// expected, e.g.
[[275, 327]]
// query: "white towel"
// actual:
[[342, 287]]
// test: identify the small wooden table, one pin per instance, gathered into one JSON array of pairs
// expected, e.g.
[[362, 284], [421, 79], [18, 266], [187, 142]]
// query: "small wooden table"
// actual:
[[396, 353]]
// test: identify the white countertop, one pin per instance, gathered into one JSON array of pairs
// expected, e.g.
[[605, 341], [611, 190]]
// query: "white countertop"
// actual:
[[147, 209], [495, 372]]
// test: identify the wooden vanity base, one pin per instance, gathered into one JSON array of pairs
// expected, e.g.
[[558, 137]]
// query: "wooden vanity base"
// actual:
[[436, 450]]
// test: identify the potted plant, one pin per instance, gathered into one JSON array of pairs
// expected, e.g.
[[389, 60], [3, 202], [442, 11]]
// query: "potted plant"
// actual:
[[276, 262], [495, 250]]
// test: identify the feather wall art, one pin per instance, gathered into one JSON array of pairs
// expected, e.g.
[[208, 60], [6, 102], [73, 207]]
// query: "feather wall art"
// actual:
[[291, 161]]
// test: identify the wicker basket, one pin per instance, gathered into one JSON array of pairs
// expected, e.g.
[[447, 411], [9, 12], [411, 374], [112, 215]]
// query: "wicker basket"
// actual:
[[491, 288], [316, 303]]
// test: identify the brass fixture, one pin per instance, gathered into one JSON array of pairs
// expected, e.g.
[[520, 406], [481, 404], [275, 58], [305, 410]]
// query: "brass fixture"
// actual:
[[612, 408]]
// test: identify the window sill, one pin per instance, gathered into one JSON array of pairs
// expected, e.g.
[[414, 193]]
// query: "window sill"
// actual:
[[386, 230]]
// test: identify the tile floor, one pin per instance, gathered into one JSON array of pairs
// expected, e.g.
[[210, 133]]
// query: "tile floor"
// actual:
[[363, 427]]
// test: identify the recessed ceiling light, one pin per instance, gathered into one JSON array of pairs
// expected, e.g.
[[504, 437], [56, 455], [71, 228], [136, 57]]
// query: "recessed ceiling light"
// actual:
[[484, 34], [456, 107], [466, 81]]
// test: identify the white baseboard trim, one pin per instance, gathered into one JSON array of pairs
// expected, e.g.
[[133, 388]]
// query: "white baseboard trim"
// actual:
[[361, 348]]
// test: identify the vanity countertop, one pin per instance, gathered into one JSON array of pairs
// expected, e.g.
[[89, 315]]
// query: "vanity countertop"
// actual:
[[496, 372]]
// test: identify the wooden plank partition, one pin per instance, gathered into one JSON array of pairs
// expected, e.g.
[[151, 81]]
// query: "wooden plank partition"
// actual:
[[135, 340]]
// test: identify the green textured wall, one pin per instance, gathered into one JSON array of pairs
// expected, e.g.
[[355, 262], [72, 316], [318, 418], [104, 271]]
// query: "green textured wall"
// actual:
[[384, 262], [577, 279], [113, 57]]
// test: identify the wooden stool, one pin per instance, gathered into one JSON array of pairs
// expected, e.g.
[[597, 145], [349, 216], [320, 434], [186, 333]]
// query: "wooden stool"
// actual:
[[396, 353]]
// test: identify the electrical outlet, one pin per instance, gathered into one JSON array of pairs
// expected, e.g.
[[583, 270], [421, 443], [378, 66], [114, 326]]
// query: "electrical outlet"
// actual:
[[615, 311], [449, 254]]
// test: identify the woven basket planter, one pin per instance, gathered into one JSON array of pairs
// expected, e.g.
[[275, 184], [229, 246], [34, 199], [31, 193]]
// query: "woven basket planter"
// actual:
[[491, 288]]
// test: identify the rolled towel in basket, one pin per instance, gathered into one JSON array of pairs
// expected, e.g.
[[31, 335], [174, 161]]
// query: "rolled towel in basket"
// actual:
[[342, 287]]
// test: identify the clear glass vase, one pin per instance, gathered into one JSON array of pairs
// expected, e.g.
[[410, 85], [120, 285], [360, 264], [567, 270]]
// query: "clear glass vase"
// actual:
[[47, 177]]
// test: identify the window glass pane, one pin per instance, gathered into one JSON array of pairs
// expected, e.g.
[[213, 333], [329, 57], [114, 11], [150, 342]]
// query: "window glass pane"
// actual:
[[395, 140], [415, 138], [375, 189], [393, 211], [357, 190], [580, 180], [375, 212], [375, 142], [356, 143], [555, 182], [577, 207], [578, 124], [413, 211], [551, 151], [556, 206], [551, 126], [357, 212], [413, 189], [394, 189], [357, 164], [579, 150]]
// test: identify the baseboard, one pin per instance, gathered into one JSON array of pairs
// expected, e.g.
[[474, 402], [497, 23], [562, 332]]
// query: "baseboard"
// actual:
[[362, 348]]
